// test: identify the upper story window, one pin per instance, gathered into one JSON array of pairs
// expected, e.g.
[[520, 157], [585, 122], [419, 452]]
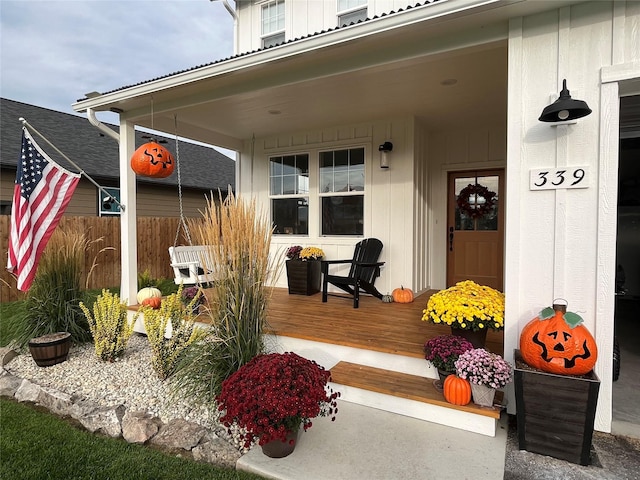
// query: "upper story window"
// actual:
[[351, 11], [342, 191], [273, 23], [289, 191]]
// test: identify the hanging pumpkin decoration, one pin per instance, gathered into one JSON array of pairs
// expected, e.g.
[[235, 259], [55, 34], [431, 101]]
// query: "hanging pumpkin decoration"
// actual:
[[387, 298], [457, 390], [557, 342], [148, 292], [402, 295], [152, 160]]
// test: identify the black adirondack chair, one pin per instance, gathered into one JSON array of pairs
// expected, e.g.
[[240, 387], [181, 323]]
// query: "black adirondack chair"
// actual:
[[364, 270]]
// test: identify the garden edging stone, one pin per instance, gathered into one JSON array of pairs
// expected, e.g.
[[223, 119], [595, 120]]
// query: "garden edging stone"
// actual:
[[116, 421]]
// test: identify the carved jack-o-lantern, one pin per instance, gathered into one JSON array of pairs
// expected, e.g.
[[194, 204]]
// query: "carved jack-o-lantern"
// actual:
[[557, 342], [152, 160]]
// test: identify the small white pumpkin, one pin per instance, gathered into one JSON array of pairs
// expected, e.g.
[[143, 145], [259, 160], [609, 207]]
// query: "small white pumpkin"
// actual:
[[387, 298], [148, 292]]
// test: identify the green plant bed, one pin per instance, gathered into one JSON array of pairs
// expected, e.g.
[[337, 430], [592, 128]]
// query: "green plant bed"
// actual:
[[38, 445]]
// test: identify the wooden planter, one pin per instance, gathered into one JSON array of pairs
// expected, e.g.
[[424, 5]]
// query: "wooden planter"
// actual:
[[555, 413], [303, 276], [50, 349]]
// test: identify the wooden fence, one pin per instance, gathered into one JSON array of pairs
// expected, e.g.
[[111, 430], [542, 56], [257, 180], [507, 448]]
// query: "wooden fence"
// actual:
[[155, 236]]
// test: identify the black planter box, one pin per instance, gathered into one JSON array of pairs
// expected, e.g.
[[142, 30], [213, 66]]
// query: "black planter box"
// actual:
[[555, 413], [303, 276]]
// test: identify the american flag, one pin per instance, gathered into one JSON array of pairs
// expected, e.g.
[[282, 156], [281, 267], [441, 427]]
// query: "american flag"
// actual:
[[41, 194]]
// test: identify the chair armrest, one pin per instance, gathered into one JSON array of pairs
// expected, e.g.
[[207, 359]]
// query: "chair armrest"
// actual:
[[336, 261], [365, 264], [324, 264]]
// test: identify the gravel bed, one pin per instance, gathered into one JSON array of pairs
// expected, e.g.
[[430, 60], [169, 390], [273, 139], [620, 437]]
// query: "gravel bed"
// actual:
[[129, 381]]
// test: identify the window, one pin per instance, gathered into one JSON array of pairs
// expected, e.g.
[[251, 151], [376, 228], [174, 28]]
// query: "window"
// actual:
[[273, 23], [106, 206], [289, 189], [351, 11], [342, 191]]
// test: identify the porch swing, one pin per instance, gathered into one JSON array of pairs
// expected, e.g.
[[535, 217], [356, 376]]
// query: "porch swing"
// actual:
[[192, 264]]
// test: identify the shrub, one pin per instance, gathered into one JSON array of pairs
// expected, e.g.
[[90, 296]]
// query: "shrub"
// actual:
[[109, 325], [167, 351]]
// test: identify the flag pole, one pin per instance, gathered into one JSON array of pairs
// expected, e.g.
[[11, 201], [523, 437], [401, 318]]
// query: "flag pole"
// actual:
[[82, 172]]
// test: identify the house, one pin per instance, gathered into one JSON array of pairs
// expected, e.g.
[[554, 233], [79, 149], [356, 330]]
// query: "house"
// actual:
[[363, 118], [203, 169]]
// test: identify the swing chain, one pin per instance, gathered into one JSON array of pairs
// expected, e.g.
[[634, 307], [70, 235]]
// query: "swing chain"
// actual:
[[182, 221]]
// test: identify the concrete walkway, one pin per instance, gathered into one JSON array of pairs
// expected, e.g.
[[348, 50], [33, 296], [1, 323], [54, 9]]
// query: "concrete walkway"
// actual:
[[365, 443]]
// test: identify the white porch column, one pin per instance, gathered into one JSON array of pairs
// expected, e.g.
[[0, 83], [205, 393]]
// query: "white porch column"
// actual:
[[128, 233]]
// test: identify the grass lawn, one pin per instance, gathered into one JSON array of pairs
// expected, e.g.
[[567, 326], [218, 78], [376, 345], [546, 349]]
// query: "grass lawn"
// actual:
[[38, 445]]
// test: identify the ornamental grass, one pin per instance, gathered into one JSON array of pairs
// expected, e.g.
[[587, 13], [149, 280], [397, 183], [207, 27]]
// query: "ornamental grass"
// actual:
[[275, 394], [238, 238], [467, 306], [52, 303]]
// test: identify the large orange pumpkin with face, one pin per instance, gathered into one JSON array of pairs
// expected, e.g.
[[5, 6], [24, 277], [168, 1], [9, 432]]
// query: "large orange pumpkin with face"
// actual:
[[152, 160], [557, 342]]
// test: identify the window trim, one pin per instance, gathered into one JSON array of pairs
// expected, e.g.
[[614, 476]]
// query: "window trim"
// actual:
[[115, 191]]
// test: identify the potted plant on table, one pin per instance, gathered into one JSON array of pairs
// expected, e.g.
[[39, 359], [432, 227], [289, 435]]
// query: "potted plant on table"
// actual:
[[443, 351], [274, 395], [486, 371], [303, 269], [469, 309]]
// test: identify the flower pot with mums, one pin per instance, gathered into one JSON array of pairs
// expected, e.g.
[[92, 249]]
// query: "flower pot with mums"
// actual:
[[303, 269], [486, 371], [469, 309], [443, 351], [272, 396]]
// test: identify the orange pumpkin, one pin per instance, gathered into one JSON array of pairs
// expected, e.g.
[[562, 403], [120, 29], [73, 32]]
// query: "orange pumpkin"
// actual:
[[153, 302], [402, 295], [457, 390], [557, 342], [152, 160]]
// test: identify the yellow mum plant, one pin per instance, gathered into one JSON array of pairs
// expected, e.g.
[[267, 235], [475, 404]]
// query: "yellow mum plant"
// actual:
[[311, 253], [467, 306]]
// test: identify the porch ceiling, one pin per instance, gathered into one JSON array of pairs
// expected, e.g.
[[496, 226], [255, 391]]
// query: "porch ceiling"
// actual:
[[390, 73]]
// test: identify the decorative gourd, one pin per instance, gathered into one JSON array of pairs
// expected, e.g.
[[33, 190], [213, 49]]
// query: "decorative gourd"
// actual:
[[557, 342], [457, 390], [153, 302], [148, 292], [152, 160], [387, 298], [402, 295]]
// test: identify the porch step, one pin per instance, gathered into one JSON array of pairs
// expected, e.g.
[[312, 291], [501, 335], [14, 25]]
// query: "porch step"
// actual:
[[409, 395]]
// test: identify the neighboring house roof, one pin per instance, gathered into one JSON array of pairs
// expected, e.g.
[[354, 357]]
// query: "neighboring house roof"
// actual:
[[201, 167], [252, 52]]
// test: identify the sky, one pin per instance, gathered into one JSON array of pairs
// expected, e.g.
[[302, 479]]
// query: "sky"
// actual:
[[53, 52]]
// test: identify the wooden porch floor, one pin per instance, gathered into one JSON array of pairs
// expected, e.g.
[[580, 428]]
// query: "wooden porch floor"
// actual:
[[394, 328]]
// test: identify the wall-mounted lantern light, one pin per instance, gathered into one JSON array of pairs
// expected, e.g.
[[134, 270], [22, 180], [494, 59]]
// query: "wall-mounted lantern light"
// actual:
[[384, 150], [564, 108]]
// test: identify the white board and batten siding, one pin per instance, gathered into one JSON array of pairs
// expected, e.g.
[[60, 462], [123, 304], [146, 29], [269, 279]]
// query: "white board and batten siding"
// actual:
[[561, 242], [388, 201]]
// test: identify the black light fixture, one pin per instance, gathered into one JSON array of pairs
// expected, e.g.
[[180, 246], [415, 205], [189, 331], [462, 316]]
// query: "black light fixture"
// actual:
[[564, 108], [384, 149]]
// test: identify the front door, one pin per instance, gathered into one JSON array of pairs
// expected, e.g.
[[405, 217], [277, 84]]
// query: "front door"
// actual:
[[475, 228]]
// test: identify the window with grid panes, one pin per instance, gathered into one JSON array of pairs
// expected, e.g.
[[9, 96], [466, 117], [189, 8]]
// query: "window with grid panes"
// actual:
[[289, 191], [273, 23], [342, 191], [351, 11]]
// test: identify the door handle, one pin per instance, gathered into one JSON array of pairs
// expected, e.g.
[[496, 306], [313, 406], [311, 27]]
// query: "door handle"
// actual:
[[451, 239]]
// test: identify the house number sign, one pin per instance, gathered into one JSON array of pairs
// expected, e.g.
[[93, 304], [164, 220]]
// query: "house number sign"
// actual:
[[555, 178]]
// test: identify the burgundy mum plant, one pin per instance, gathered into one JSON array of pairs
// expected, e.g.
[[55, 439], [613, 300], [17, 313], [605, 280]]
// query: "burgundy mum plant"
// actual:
[[274, 394], [293, 253], [443, 351]]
